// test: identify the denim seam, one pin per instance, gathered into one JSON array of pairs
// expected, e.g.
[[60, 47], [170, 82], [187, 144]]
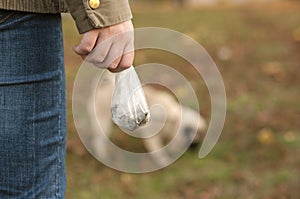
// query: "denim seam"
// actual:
[[60, 132], [35, 151]]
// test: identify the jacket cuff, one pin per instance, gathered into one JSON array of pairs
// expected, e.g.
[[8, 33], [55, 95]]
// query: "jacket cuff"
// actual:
[[110, 12]]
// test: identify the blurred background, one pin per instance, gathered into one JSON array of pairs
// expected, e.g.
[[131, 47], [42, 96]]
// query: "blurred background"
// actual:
[[256, 46]]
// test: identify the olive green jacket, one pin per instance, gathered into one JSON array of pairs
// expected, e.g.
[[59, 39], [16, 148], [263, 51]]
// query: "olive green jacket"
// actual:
[[108, 13]]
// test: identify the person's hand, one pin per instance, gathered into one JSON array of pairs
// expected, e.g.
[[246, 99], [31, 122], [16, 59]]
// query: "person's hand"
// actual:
[[109, 47]]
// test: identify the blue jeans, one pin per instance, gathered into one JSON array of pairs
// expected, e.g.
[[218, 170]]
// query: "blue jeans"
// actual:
[[32, 106]]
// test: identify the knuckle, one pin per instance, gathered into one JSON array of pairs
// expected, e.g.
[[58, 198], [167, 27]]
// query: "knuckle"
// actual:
[[126, 62], [125, 65], [99, 60], [129, 50], [86, 48], [113, 66]]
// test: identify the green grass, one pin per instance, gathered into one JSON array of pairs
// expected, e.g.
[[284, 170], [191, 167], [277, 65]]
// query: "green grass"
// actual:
[[241, 165]]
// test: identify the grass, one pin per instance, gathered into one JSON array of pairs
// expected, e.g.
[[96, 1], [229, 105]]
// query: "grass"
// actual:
[[257, 154]]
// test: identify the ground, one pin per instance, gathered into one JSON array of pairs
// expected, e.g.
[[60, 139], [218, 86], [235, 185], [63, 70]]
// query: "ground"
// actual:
[[257, 50]]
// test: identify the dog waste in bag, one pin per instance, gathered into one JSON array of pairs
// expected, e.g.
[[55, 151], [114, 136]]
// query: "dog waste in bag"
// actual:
[[129, 107]]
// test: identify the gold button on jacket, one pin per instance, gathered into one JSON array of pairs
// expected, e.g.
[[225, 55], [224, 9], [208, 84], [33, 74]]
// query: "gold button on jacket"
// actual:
[[94, 4]]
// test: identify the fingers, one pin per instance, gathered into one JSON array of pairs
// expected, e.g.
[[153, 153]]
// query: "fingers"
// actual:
[[110, 47], [87, 43], [127, 54], [125, 62], [98, 56], [119, 59], [115, 53]]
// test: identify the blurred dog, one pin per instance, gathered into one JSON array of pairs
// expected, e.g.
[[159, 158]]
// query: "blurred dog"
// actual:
[[177, 126]]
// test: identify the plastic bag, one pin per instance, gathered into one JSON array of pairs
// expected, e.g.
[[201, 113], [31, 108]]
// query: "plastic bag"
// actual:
[[129, 107]]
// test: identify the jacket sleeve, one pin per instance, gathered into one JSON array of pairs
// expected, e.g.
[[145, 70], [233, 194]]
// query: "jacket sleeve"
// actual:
[[108, 13]]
